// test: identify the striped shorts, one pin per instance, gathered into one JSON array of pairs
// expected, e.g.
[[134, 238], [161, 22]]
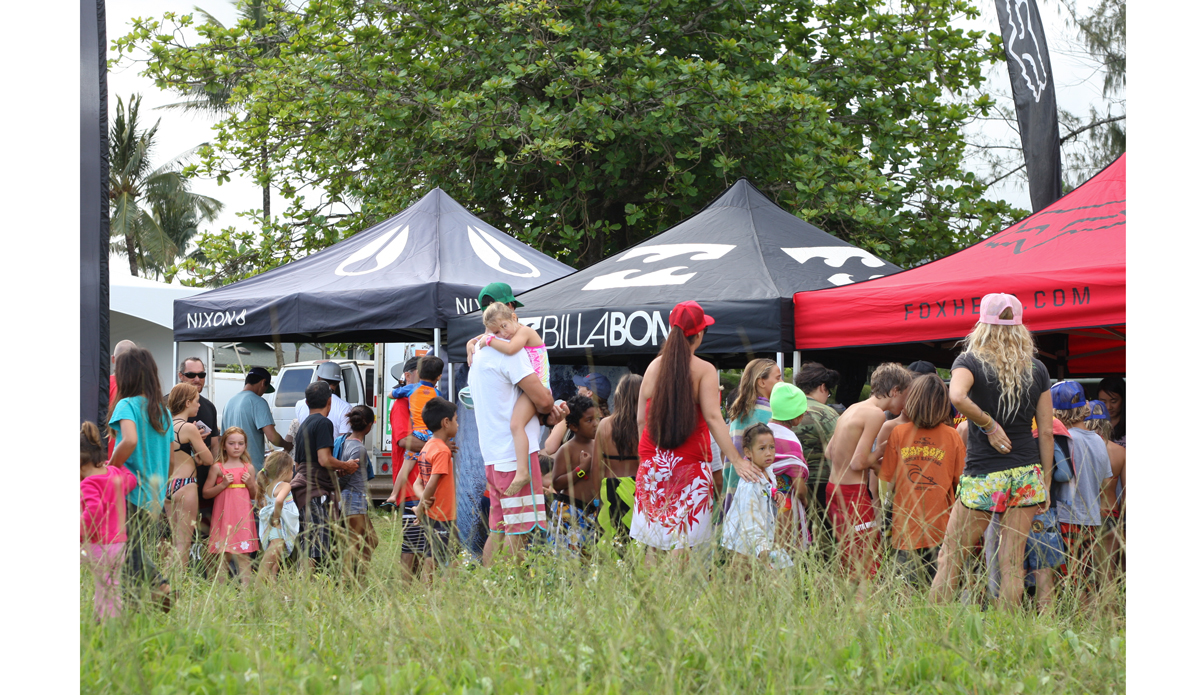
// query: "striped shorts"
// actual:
[[522, 512]]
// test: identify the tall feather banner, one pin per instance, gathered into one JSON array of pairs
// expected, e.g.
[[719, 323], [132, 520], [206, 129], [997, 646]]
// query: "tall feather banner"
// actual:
[[1033, 92]]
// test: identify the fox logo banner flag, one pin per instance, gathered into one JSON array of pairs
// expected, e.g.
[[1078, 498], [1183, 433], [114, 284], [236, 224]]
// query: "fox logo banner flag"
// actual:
[[1033, 91]]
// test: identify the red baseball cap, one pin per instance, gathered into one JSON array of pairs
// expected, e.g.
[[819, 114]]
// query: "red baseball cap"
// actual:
[[690, 318]]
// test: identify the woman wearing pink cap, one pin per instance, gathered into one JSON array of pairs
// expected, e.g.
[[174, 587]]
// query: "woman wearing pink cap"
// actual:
[[1000, 387], [678, 405]]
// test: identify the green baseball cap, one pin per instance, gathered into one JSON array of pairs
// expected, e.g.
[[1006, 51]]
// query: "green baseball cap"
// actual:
[[787, 402], [500, 292]]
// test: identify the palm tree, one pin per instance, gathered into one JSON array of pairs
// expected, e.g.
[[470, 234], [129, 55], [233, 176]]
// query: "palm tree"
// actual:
[[153, 212], [213, 98]]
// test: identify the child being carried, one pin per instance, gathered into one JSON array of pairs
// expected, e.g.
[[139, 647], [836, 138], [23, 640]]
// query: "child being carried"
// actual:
[[501, 322]]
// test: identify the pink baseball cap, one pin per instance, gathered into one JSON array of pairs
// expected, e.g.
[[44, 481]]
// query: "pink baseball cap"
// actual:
[[994, 304]]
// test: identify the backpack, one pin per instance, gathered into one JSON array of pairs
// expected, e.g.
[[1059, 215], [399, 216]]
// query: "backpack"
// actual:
[[340, 443]]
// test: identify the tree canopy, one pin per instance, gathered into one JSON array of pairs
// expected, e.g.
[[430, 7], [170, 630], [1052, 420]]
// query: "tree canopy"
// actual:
[[582, 127]]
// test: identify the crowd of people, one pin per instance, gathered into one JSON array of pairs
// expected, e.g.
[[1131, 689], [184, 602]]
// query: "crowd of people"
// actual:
[[916, 479]]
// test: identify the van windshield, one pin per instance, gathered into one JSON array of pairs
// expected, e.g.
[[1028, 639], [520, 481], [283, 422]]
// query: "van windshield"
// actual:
[[291, 386]]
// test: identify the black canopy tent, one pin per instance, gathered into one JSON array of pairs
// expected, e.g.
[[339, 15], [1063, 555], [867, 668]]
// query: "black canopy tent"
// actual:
[[398, 281], [742, 258]]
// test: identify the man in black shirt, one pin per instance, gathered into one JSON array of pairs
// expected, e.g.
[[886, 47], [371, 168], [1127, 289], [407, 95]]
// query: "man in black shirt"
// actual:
[[191, 371], [314, 488]]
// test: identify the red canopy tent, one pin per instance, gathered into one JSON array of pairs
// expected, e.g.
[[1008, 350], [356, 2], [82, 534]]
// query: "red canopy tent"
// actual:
[[1066, 263]]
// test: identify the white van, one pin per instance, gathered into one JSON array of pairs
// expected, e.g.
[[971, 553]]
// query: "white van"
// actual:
[[358, 387]]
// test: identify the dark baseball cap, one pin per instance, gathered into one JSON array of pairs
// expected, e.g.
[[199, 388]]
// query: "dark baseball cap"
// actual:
[[398, 371], [922, 367], [500, 292], [596, 383], [257, 374]]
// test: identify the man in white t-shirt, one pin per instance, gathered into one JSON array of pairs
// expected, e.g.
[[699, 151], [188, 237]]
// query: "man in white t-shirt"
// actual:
[[496, 381], [339, 410]]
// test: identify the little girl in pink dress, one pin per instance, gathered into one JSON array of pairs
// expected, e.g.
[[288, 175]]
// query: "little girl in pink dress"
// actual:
[[233, 532]]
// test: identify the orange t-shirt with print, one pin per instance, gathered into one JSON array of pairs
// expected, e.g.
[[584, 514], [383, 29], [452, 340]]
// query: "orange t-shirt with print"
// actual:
[[924, 467], [435, 458]]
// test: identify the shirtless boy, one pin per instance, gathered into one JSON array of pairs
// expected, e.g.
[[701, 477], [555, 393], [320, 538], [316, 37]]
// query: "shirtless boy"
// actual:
[[573, 513], [853, 465]]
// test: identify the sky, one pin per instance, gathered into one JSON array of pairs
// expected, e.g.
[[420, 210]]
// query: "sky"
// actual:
[[1077, 85]]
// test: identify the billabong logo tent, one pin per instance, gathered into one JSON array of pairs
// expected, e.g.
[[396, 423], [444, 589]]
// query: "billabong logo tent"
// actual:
[[395, 281], [741, 257], [1066, 263]]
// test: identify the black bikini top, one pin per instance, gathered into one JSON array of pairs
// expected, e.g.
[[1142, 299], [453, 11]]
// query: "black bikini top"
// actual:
[[184, 447]]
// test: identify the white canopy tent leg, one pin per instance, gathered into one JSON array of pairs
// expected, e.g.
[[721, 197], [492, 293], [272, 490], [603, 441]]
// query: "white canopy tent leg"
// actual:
[[779, 361], [211, 353], [437, 342], [795, 363]]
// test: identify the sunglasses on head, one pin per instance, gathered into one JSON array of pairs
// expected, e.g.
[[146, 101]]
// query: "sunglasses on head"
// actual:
[[195, 375]]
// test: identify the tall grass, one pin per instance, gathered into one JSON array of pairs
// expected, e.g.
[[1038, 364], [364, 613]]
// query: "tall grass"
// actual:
[[610, 626]]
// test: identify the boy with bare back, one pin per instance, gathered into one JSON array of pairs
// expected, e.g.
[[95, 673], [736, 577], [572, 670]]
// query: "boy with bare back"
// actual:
[[853, 465]]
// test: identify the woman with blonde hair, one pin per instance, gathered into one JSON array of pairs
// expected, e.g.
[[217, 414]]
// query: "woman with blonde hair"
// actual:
[[1001, 388], [183, 497], [751, 406]]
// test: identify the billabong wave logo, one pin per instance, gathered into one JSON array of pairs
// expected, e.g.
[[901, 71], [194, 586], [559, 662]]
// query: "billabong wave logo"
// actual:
[[386, 249], [490, 250], [1023, 47], [835, 257], [664, 276]]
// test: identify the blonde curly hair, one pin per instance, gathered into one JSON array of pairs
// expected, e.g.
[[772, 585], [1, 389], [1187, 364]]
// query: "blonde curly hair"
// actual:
[[1007, 353]]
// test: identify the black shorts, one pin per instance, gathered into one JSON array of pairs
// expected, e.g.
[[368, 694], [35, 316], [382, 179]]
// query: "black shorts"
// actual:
[[442, 541], [316, 537]]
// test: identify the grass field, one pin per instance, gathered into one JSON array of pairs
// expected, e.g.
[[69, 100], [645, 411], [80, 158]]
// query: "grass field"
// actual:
[[613, 626]]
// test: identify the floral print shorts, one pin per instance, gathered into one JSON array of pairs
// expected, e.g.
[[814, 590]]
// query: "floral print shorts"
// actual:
[[996, 492]]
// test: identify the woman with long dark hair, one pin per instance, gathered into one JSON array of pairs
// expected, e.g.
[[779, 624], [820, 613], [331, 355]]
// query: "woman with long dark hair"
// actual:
[[678, 405], [142, 425], [1001, 388], [1112, 394], [617, 447]]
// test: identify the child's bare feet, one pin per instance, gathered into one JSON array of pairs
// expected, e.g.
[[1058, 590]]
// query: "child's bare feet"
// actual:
[[520, 481]]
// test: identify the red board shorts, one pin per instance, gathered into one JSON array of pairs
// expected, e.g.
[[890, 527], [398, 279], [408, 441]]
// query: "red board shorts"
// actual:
[[853, 518], [522, 512]]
